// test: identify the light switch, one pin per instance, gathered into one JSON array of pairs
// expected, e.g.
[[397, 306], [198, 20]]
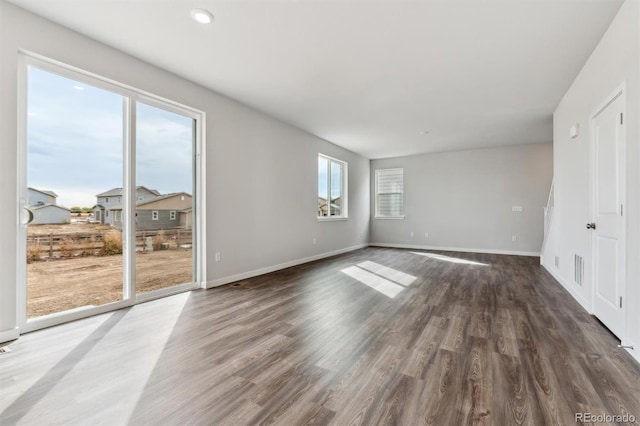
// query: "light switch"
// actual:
[[516, 208]]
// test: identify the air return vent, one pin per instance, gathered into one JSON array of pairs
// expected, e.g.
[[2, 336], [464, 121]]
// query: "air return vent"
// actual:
[[578, 269]]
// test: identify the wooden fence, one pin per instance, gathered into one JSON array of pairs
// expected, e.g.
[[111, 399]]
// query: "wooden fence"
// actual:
[[52, 246]]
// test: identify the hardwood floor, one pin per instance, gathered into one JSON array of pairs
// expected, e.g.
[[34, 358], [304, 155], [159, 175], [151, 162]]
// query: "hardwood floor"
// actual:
[[376, 336]]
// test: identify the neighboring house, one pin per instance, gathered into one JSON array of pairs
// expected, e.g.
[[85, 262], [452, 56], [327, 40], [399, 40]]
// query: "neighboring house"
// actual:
[[165, 211], [322, 206], [111, 201], [37, 197], [186, 218], [153, 210], [50, 214], [43, 205]]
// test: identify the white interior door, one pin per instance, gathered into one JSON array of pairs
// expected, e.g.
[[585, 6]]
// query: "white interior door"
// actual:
[[608, 227]]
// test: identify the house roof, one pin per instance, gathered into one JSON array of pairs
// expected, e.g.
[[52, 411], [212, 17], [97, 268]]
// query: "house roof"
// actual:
[[47, 206], [118, 191], [162, 197], [152, 200], [50, 193]]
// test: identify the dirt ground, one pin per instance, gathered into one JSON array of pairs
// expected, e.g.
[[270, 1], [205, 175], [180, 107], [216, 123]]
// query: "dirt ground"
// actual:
[[70, 228], [60, 285]]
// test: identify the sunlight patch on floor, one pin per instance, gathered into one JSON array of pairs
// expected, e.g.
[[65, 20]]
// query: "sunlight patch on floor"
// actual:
[[383, 279], [449, 259], [145, 348], [33, 372], [388, 273]]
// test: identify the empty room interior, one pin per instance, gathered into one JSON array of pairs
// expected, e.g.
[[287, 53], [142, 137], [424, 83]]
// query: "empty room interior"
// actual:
[[320, 212]]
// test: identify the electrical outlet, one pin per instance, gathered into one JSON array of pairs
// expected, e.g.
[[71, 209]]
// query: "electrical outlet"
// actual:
[[313, 241], [411, 233], [217, 257], [514, 238], [426, 235]]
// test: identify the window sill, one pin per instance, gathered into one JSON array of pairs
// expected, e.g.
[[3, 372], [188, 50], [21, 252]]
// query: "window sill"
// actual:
[[331, 219], [389, 217]]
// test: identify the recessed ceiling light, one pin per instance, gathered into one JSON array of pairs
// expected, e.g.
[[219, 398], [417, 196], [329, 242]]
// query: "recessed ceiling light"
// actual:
[[202, 16]]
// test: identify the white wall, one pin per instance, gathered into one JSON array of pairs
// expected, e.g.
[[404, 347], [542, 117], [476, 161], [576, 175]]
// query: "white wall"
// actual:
[[615, 60], [261, 173], [463, 200]]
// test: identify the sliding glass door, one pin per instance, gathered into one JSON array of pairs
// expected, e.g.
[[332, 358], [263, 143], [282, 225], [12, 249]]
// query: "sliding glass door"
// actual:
[[108, 195], [164, 198], [74, 151]]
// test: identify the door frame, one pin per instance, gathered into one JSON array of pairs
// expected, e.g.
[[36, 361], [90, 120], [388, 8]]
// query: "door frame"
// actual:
[[619, 93], [130, 96]]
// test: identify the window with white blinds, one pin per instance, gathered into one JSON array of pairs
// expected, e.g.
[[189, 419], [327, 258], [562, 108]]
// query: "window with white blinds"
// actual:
[[390, 193]]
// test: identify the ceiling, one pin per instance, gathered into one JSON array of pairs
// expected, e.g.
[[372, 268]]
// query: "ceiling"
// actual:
[[370, 76]]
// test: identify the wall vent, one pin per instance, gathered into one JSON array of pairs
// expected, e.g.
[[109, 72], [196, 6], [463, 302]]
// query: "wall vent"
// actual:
[[557, 262], [578, 269]]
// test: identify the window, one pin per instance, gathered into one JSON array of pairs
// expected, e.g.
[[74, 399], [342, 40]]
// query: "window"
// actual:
[[332, 187], [106, 214], [172, 215], [106, 200], [390, 193], [154, 215]]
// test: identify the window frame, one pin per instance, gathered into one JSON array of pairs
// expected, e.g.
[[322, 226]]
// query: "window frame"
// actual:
[[343, 188], [376, 193], [172, 215], [155, 214]]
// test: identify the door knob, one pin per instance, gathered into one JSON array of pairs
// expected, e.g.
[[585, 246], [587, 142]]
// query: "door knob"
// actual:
[[591, 226], [30, 216]]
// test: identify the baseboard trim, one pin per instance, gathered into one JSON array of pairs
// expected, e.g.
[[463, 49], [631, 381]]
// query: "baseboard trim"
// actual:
[[256, 272], [635, 352], [458, 249], [9, 335], [577, 296]]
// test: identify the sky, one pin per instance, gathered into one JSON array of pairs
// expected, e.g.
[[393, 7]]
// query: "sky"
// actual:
[[75, 142], [323, 172]]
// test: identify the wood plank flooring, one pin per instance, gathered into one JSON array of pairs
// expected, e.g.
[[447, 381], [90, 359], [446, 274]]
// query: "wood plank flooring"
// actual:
[[376, 336]]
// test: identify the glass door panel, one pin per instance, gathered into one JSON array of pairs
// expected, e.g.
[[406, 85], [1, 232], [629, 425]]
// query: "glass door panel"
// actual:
[[74, 176], [164, 198]]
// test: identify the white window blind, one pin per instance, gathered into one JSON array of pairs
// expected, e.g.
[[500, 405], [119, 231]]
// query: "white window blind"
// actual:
[[390, 193]]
